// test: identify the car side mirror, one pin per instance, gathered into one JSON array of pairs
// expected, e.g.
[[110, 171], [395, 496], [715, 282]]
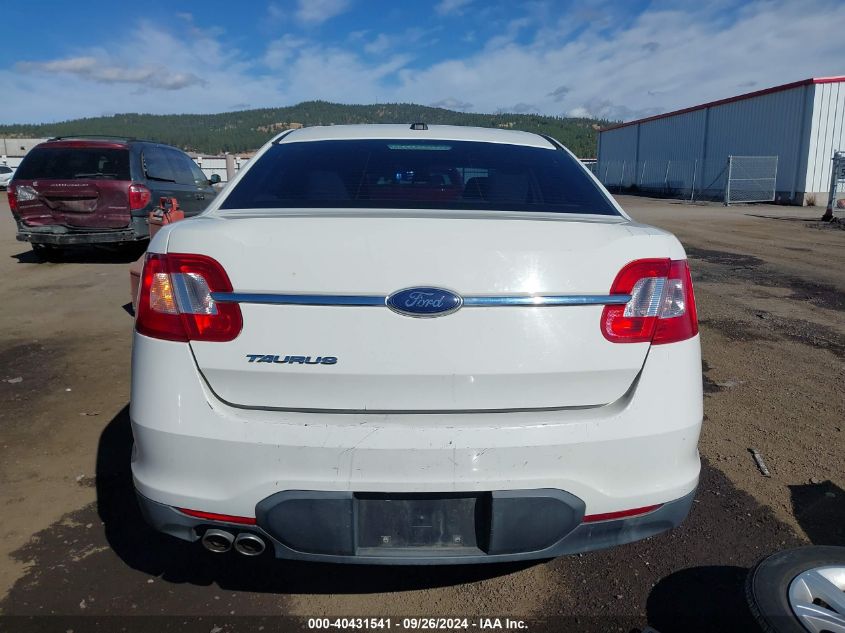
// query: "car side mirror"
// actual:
[[215, 178]]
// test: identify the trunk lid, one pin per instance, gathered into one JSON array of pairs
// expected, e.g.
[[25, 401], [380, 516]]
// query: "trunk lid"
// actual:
[[476, 358]]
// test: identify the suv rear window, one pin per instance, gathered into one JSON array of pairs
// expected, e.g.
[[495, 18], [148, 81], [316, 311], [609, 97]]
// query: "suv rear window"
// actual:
[[410, 174], [68, 163]]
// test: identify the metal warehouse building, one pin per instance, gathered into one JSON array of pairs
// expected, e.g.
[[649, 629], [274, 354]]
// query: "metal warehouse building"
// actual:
[[773, 144]]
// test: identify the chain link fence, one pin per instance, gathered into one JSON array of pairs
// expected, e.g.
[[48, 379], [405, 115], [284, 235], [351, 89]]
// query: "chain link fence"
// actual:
[[751, 179], [689, 179]]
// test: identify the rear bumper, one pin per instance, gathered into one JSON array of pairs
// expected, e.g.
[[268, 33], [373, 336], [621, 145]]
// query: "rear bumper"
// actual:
[[286, 522], [194, 451], [60, 235]]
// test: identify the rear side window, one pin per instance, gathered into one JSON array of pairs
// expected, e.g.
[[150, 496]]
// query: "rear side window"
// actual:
[[410, 174], [5, 170], [157, 166], [67, 163], [181, 165]]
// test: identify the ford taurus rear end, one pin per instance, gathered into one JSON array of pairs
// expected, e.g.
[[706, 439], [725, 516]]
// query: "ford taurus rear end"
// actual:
[[387, 344]]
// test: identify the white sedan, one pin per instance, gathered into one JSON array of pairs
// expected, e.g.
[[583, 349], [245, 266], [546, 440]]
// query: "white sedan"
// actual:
[[6, 175], [415, 344]]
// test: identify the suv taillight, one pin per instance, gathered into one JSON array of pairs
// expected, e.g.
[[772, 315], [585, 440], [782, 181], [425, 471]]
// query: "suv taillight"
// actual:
[[662, 305], [139, 197], [13, 199], [175, 302]]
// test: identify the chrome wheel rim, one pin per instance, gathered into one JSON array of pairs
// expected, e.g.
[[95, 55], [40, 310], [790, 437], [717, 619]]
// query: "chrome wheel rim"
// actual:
[[817, 598]]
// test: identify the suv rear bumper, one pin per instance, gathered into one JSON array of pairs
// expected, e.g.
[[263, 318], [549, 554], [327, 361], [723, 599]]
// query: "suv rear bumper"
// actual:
[[553, 527], [61, 235]]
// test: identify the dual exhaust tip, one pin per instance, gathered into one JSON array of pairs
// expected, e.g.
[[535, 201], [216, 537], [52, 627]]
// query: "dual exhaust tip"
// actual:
[[220, 541]]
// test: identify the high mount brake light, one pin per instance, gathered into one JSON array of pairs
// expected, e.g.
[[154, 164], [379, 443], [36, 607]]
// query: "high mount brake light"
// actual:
[[662, 305], [175, 302]]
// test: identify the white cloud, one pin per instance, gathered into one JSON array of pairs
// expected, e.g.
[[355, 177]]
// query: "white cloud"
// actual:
[[519, 108], [413, 38], [451, 7], [381, 43], [570, 63], [450, 103], [101, 71], [95, 81], [702, 54], [281, 51], [580, 113], [319, 11]]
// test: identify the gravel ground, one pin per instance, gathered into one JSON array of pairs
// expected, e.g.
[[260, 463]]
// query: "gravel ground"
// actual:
[[771, 295]]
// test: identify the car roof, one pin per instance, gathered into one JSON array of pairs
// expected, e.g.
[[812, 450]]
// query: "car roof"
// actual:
[[405, 131]]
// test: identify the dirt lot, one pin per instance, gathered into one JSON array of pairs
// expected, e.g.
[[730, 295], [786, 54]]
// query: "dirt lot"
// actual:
[[771, 292]]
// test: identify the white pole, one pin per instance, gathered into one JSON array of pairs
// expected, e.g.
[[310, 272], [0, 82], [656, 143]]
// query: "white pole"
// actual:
[[728, 183], [692, 190]]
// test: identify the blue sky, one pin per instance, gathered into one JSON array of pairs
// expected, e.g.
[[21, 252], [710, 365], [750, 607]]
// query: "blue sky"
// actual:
[[617, 60]]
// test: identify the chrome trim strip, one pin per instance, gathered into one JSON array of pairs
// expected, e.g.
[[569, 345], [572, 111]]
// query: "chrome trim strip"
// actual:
[[298, 299], [373, 300], [546, 300]]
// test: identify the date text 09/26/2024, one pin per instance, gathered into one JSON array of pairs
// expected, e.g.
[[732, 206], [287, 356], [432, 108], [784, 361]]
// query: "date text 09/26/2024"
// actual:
[[418, 623]]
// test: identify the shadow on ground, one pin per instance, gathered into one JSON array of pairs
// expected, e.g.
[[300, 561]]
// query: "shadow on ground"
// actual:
[[122, 254], [820, 510], [701, 599]]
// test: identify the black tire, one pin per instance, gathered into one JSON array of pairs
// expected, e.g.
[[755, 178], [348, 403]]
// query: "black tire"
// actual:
[[767, 585], [48, 252]]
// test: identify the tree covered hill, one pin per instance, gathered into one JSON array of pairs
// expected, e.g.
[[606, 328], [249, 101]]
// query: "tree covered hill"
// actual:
[[249, 129]]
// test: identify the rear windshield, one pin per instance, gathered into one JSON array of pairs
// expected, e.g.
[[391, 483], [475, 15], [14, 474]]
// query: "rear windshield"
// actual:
[[68, 163], [408, 174]]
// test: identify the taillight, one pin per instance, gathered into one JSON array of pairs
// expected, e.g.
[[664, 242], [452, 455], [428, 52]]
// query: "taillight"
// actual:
[[662, 305], [20, 193], [139, 197], [175, 301], [13, 199]]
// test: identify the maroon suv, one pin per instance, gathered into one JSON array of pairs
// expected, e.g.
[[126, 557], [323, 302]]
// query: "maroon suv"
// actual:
[[84, 190]]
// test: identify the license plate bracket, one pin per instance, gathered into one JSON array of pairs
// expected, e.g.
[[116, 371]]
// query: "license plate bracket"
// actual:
[[455, 523]]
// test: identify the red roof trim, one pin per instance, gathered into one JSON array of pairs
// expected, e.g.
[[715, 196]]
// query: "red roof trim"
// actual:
[[747, 95], [84, 143]]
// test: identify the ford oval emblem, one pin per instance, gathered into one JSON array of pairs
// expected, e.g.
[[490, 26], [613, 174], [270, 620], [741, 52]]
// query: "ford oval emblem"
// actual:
[[424, 302]]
